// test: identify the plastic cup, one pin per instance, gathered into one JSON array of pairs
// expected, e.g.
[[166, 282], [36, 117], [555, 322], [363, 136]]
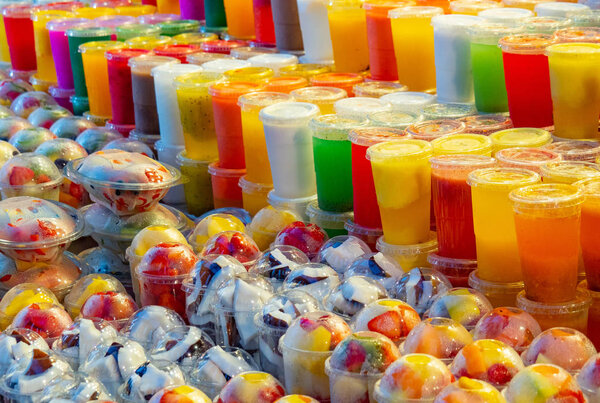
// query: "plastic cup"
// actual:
[[493, 222], [94, 12], [4, 50], [593, 325], [333, 223], [333, 160], [62, 96], [407, 101], [391, 119], [255, 147], [547, 220], [168, 154], [316, 37], [575, 89], [457, 271], [434, 129], [43, 52], [246, 52], [488, 72], [120, 84], [348, 30], [177, 27], [225, 184], [228, 120], [221, 46], [590, 213], [546, 25], [323, 97], [192, 9], [366, 210], [306, 70], [60, 48], [136, 10], [499, 294], [147, 42], [368, 235], [526, 158], [452, 46], [95, 68], [156, 289], [298, 206], [80, 105], [568, 172], [527, 79], [414, 45], [249, 74], [289, 146], [573, 314], [377, 89], [360, 107], [285, 84], [240, 18], [402, 178], [254, 195], [507, 16], [180, 52], [19, 36], [264, 28], [196, 112], [76, 37], [194, 38], [486, 124], [409, 256], [576, 150], [144, 96], [464, 143], [168, 6], [198, 186], [560, 9], [578, 34], [345, 81], [362, 383], [452, 204], [288, 36], [129, 31], [214, 12], [274, 61], [520, 137], [472, 7]]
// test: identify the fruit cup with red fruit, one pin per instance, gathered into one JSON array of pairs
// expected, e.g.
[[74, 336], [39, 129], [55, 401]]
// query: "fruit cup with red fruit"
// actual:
[[161, 273], [114, 307], [180, 394], [27, 102], [356, 364], [390, 317], [45, 116], [233, 243], [46, 319], [30, 175], [512, 326], [12, 124], [11, 89], [251, 387], [307, 237]]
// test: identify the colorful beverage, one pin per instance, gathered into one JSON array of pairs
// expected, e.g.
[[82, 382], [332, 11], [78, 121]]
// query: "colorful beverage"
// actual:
[[43, 51], [19, 36], [287, 25], [59, 44], [77, 36], [214, 11], [264, 29], [590, 237], [348, 29], [192, 9], [465, 143], [168, 6], [240, 18], [316, 37], [323, 97]]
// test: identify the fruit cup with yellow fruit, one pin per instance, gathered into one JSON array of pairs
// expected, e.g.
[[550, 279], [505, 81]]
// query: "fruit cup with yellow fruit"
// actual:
[[19, 297], [212, 225]]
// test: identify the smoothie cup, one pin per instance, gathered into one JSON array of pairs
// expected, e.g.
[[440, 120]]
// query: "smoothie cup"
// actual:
[[288, 36], [180, 52], [590, 239], [495, 235], [4, 51], [167, 6], [573, 314], [264, 28], [464, 143], [144, 95], [94, 12], [452, 204], [547, 221], [194, 38], [255, 146], [452, 49], [578, 34], [225, 184], [434, 129], [285, 84], [240, 18], [402, 178], [19, 36], [171, 131], [333, 160], [486, 124], [333, 223], [214, 12], [323, 97], [228, 120], [196, 112], [129, 31], [407, 101], [345, 81], [43, 51], [274, 61], [95, 68], [348, 29], [315, 31], [560, 9], [520, 137], [59, 44], [568, 172], [575, 89], [249, 74], [527, 79], [192, 9], [136, 10], [62, 96], [526, 158], [120, 84], [76, 37], [366, 210], [147, 42], [472, 7], [254, 195], [306, 70], [198, 186], [506, 16], [486, 61], [289, 146], [177, 27], [377, 89], [414, 45]]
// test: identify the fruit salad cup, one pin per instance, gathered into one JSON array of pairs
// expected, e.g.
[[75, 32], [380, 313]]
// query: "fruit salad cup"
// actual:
[[253, 386], [267, 223], [277, 262], [212, 225], [512, 326], [440, 337], [543, 383], [464, 305], [19, 297], [233, 243], [392, 318], [30, 175], [420, 287]]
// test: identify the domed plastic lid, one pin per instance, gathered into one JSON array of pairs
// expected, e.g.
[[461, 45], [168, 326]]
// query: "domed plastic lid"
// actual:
[[377, 89], [526, 157], [334, 127], [333, 79], [319, 95], [486, 124]]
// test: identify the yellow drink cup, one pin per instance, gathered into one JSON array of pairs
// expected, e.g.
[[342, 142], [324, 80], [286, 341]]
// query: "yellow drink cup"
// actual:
[[575, 86], [402, 177], [249, 74], [323, 97], [306, 70], [463, 143], [412, 33], [136, 10], [568, 172], [96, 76], [43, 52], [495, 235], [196, 111], [168, 6], [4, 52], [94, 12], [520, 137], [348, 29], [147, 42], [258, 168]]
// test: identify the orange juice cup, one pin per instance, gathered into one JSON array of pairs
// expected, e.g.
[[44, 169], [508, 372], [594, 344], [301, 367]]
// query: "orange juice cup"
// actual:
[[348, 29], [547, 220], [323, 97], [225, 185], [345, 81], [590, 235], [573, 314]]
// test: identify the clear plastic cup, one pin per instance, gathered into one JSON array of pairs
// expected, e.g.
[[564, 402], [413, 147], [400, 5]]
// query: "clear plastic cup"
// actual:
[[576, 150], [348, 31], [519, 137], [198, 185], [225, 183], [314, 27], [433, 129], [457, 271], [589, 240], [526, 158], [407, 101], [331, 222], [499, 294], [568, 172], [573, 314], [254, 195], [323, 97], [409, 256], [296, 205], [464, 143]]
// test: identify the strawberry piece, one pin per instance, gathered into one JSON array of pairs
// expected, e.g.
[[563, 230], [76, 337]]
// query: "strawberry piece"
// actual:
[[388, 324], [355, 357], [76, 191], [20, 176], [498, 374]]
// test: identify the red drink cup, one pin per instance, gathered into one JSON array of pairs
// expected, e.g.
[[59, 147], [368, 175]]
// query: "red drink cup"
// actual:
[[366, 209], [228, 120], [119, 84], [264, 28], [19, 35], [226, 185], [180, 52], [452, 203], [527, 79]]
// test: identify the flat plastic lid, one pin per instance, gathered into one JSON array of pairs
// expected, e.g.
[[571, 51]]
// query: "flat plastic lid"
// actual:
[[151, 61], [246, 52], [285, 83], [88, 32], [451, 263], [200, 79], [548, 24], [447, 110], [472, 6], [259, 100], [459, 21], [576, 149], [360, 106], [334, 127], [503, 178], [113, 21], [253, 187], [486, 124], [249, 73], [194, 38], [386, 5], [508, 14], [201, 57], [288, 113], [589, 187], [354, 228], [176, 50], [174, 26], [464, 143], [304, 69], [492, 32], [578, 34], [331, 79], [559, 6], [377, 89], [396, 119], [138, 30], [273, 59], [233, 89], [215, 169], [19, 10], [432, 129], [571, 171], [100, 46], [580, 304], [411, 100], [222, 65], [526, 43], [473, 161], [526, 156], [521, 137], [319, 95], [591, 19], [46, 15], [221, 46], [176, 69], [157, 18], [63, 24], [415, 12], [327, 219], [124, 54], [546, 196], [400, 149], [369, 136]]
